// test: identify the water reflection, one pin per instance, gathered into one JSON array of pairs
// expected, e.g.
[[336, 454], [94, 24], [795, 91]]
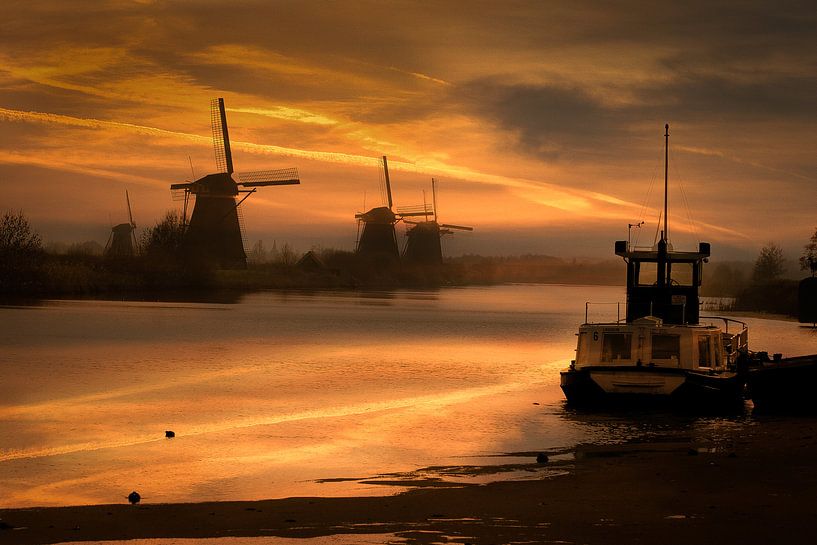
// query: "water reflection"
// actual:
[[642, 426], [295, 393], [337, 539]]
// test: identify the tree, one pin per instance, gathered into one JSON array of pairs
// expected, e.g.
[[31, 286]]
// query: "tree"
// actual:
[[16, 235], [724, 279], [21, 255], [769, 264], [165, 238], [258, 254], [287, 255], [808, 261]]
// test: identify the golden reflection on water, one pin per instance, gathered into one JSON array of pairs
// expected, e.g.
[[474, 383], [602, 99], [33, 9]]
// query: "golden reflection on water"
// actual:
[[337, 539], [278, 392], [271, 394]]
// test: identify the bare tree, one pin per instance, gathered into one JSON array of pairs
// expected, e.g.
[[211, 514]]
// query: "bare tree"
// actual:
[[287, 255], [258, 254], [16, 235], [20, 254]]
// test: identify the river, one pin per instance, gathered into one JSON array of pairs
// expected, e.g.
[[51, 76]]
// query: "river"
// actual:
[[276, 394]]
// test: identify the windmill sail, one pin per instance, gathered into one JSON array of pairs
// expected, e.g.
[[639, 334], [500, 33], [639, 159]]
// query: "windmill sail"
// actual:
[[378, 239], [423, 238], [221, 137], [214, 234], [122, 240], [258, 178], [130, 214], [414, 211], [458, 227], [388, 182]]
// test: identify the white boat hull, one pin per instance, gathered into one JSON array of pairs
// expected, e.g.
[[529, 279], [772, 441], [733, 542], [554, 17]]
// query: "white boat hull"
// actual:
[[597, 385]]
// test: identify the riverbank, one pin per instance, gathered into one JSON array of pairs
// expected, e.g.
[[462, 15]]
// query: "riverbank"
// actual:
[[48, 275], [755, 486]]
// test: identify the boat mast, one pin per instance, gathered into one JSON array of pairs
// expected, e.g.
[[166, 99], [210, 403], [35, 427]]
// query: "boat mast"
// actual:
[[666, 191]]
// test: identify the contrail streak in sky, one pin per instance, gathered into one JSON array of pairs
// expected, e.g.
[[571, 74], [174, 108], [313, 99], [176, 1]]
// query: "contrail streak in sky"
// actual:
[[543, 193]]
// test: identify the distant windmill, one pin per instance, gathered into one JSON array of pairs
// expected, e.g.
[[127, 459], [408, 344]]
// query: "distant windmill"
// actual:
[[423, 243], [122, 240], [214, 233], [378, 237]]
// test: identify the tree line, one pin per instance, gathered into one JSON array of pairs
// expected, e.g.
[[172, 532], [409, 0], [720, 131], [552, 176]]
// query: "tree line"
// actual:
[[27, 268]]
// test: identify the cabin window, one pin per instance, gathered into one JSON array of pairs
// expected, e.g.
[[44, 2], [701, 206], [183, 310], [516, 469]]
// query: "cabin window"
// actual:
[[705, 351], [681, 274], [665, 347], [616, 346], [647, 273]]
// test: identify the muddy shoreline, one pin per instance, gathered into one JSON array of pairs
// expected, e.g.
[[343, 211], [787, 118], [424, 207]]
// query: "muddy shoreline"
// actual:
[[758, 486]]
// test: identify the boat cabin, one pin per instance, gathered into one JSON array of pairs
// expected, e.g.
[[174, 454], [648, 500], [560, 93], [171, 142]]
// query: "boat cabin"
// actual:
[[650, 342], [663, 283]]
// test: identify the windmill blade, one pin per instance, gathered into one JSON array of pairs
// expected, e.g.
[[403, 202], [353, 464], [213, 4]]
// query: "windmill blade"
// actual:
[[130, 214], [388, 183], [416, 210], [258, 178], [221, 138], [412, 214], [434, 196], [460, 227]]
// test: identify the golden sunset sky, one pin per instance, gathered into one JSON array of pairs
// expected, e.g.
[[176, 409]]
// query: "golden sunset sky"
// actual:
[[542, 121]]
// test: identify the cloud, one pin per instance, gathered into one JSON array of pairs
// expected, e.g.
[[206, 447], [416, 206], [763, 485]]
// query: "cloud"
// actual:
[[536, 191], [537, 112], [549, 121], [289, 114]]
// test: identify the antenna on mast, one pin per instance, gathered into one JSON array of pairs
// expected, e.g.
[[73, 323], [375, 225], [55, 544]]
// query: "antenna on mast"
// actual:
[[665, 234]]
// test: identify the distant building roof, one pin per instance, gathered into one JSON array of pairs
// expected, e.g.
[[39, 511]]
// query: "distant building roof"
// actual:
[[311, 262]]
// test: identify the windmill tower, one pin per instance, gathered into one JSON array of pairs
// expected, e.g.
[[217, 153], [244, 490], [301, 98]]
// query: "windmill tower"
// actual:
[[378, 238], [122, 240], [423, 243], [214, 233]]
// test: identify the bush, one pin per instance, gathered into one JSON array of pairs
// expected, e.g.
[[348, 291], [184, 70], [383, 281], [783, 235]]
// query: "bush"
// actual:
[[164, 240]]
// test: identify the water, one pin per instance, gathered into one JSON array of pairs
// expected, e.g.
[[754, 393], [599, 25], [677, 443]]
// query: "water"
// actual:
[[337, 539], [278, 394]]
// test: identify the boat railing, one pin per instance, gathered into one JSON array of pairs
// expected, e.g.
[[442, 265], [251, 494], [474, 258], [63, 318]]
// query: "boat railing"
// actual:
[[734, 342], [587, 305]]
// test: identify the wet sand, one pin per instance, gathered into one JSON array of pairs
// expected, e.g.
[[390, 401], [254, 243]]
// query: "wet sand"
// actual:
[[757, 486]]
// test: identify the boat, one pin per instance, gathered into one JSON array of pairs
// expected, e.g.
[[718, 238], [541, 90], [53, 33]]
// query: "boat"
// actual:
[[782, 384], [662, 350]]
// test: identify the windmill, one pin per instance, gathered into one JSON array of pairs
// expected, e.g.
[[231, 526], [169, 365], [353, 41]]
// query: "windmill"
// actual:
[[378, 237], [214, 233], [423, 243], [122, 240]]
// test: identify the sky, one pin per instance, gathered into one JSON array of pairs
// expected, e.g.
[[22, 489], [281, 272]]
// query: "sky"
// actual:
[[542, 122]]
